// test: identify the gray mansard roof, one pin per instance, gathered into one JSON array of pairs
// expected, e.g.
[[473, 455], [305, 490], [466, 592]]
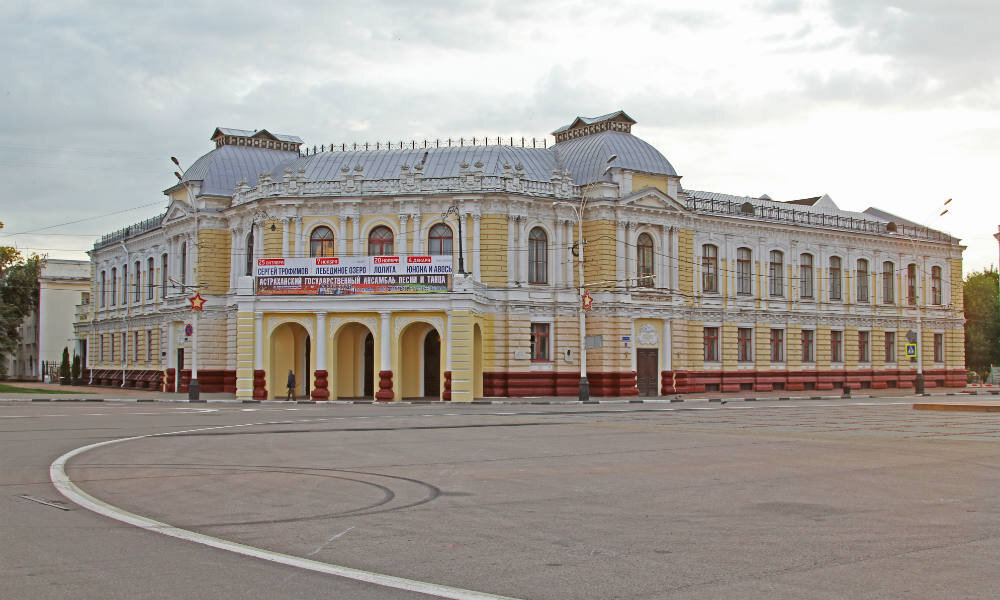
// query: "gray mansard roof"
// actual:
[[220, 170]]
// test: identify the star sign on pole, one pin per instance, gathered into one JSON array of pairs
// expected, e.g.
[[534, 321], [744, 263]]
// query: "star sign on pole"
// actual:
[[197, 302], [587, 299]]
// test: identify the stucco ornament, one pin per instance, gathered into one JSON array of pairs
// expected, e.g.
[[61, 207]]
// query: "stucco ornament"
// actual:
[[647, 334]]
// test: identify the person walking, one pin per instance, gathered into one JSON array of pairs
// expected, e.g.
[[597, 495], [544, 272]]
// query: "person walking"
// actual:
[[291, 385]]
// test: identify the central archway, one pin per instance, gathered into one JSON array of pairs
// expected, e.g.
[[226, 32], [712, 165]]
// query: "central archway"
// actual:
[[354, 357]]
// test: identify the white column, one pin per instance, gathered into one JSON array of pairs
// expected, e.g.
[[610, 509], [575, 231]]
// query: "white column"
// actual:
[[356, 220], [300, 240], [258, 241], [447, 358], [418, 236], [171, 346], [569, 230], [666, 346], [340, 236], [285, 224], [258, 341], [401, 238], [522, 249], [320, 341], [511, 249], [386, 341], [476, 244], [559, 271], [621, 252]]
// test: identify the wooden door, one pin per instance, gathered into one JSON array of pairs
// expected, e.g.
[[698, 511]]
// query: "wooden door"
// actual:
[[648, 371]]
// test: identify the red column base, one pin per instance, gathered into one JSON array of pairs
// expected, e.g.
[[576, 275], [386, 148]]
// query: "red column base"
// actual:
[[446, 395], [384, 393], [319, 391], [259, 385]]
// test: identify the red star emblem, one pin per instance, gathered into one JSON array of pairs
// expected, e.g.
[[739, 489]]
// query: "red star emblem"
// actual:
[[197, 302], [588, 300]]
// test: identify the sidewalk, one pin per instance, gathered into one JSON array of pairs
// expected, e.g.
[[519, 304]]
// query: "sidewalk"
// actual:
[[110, 394]]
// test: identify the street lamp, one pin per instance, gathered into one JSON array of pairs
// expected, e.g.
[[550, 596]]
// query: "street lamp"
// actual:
[[584, 391], [194, 393]]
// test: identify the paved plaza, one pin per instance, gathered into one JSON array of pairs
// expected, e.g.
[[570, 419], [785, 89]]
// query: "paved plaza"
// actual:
[[831, 498]]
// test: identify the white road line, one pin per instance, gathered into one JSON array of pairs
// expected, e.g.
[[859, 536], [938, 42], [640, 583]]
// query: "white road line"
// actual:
[[62, 482]]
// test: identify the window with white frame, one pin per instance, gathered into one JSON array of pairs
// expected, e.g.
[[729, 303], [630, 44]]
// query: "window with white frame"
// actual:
[[540, 342], [775, 273], [744, 344], [709, 268], [888, 282], [711, 342], [864, 346], [837, 346], [936, 289], [744, 270], [806, 276], [836, 281], [890, 346], [939, 347], [862, 280], [538, 256], [644, 261], [777, 345], [808, 346]]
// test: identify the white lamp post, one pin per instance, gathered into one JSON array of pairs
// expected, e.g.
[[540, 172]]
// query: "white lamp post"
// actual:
[[197, 301], [584, 389]]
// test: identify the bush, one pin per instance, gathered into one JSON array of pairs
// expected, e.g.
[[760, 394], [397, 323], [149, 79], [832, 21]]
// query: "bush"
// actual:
[[64, 365], [76, 367]]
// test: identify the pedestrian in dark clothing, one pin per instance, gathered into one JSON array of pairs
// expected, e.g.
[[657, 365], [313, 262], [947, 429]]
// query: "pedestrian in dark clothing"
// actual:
[[291, 385]]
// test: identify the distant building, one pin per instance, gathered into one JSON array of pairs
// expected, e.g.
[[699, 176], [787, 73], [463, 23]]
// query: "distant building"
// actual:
[[343, 266], [63, 284]]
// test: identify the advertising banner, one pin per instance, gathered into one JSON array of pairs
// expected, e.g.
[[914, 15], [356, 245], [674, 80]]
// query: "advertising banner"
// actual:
[[351, 286], [353, 266]]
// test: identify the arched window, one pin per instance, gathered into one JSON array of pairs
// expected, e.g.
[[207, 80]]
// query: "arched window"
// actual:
[[888, 282], [835, 279], [911, 284], [321, 242], [150, 276], [806, 275], [744, 268], [137, 284], [709, 268], [936, 295], [862, 280], [439, 240], [248, 267], [644, 261], [163, 276], [776, 273], [104, 288], [184, 264], [380, 241], [538, 256]]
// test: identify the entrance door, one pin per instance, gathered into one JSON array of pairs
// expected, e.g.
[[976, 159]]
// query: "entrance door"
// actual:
[[307, 379], [368, 371], [648, 371], [432, 365], [177, 372]]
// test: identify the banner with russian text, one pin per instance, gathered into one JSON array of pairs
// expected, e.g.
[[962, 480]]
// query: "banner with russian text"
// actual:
[[352, 286], [353, 266]]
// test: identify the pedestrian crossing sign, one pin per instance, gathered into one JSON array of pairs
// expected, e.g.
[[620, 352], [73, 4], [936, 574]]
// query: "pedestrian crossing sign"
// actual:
[[911, 350]]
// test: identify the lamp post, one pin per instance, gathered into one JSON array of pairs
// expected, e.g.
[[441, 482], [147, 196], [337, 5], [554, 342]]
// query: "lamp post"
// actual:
[[584, 389], [194, 392]]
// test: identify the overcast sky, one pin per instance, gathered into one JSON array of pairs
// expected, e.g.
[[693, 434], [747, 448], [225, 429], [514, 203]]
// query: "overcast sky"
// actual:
[[876, 104]]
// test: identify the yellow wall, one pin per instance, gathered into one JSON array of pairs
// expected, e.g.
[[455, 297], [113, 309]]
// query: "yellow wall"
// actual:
[[600, 253], [212, 275], [685, 263], [493, 247], [643, 181]]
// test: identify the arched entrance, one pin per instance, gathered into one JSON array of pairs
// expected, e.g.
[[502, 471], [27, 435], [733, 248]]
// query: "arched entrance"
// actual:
[[420, 362], [354, 360], [290, 351]]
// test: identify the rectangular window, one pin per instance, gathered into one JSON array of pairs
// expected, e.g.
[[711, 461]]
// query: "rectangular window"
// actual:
[[744, 340], [540, 342], [149, 346], [743, 270], [836, 346], [124, 285], [777, 345], [808, 346], [939, 347], [137, 284], [100, 347], [149, 280], [890, 346], [111, 341], [711, 344], [864, 346], [163, 276], [114, 285], [104, 288]]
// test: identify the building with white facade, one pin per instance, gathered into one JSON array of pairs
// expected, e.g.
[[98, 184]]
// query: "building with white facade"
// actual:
[[342, 265]]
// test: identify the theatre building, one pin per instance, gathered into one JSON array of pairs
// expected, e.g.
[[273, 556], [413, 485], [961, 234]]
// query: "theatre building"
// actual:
[[449, 270]]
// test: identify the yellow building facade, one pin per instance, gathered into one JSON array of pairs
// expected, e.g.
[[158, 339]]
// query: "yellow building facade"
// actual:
[[693, 291]]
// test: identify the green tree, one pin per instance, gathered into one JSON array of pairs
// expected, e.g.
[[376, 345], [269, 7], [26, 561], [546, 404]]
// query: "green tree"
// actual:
[[64, 365], [18, 296], [982, 321]]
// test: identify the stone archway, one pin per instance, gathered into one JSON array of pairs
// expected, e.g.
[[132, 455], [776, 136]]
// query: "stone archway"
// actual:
[[354, 358], [420, 362], [290, 351]]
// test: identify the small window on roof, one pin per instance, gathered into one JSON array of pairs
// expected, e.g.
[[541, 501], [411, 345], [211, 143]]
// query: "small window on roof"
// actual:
[[746, 208]]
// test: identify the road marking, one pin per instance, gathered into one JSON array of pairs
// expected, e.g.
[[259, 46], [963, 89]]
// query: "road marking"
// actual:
[[62, 482], [40, 501]]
